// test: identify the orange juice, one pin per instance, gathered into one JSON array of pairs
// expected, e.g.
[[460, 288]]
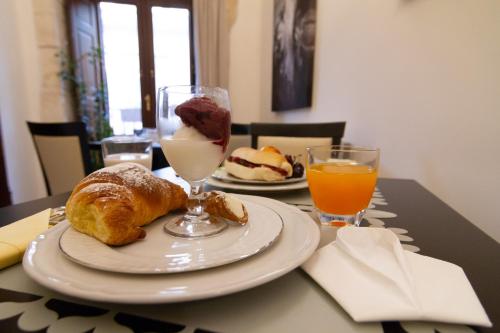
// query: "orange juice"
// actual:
[[341, 188]]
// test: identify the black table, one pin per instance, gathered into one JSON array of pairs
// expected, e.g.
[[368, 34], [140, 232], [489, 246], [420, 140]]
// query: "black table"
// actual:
[[433, 227]]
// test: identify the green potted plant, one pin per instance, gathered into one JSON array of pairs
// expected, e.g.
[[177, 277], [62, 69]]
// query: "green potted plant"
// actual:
[[91, 101]]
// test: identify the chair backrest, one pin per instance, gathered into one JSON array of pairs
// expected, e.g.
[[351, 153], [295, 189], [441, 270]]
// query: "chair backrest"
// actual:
[[240, 129], [240, 137], [294, 138], [63, 152]]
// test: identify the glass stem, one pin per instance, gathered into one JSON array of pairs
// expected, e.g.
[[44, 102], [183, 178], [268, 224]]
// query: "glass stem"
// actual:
[[195, 205], [359, 217]]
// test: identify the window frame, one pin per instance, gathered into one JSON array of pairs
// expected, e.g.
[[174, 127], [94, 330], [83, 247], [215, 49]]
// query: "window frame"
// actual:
[[146, 50]]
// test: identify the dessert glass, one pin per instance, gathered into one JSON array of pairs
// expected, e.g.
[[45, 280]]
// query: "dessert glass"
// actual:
[[194, 125]]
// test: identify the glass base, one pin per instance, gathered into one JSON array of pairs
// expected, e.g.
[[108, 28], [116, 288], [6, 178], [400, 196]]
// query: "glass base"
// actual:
[[336, 220], [194, 226]]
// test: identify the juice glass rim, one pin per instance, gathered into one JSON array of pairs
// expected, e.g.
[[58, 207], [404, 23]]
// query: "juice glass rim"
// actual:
[[343, 148], [126, 139]]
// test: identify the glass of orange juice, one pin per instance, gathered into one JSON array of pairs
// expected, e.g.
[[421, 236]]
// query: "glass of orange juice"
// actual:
[[341, 181]]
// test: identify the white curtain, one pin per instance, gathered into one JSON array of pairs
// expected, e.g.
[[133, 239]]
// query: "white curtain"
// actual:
[[212, 20]]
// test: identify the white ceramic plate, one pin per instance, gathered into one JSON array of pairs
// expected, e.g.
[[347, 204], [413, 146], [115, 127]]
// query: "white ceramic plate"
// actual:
[[162, 253], [44, 262], [257, 188], [222, 175]]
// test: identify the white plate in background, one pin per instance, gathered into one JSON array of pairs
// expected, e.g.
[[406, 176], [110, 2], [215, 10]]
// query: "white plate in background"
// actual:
[[257, 188], [222, 175]]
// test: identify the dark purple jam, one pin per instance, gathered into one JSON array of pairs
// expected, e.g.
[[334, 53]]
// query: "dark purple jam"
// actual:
[[248, 164], [208, 118]]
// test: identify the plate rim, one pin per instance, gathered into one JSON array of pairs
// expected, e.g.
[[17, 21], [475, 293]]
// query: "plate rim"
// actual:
[[68, 288], [233, 179], [258, 188], [174, 271]]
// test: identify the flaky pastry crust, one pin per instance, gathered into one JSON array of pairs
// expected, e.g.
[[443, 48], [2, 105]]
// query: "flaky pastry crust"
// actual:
[[113, 203], [217, 204]]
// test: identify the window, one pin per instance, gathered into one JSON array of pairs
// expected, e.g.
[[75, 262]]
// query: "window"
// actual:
[[146, 44]]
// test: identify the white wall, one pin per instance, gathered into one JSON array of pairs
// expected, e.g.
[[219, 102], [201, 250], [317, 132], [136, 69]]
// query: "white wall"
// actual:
[[419, 79], [51, 38], [246, 52], [31, 33], [19, 98]]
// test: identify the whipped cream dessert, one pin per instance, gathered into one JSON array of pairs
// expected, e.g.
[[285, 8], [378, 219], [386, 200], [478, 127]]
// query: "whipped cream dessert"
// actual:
[[197, 148]]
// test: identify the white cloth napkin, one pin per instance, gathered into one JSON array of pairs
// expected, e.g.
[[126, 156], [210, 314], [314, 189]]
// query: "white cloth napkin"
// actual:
[[370, 275]]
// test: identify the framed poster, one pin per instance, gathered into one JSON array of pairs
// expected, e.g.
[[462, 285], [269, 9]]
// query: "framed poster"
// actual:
[[293, 53]]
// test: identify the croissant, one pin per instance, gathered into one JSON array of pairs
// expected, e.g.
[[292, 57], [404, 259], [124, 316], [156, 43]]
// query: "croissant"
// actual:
[[112, 204]]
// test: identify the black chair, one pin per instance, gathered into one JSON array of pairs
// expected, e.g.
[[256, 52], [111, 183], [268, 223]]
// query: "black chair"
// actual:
[[63, 152], [293, 139], [240, 137], [240, 129], [159, 160], [335, 131]]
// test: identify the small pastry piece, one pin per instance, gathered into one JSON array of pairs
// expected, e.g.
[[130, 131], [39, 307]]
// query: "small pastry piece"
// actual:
[[271, 148], [252, 164], [223, 205], [111, 204]]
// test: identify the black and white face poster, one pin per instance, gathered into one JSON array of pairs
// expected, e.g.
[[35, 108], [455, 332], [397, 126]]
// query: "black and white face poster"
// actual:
[[293, 53]]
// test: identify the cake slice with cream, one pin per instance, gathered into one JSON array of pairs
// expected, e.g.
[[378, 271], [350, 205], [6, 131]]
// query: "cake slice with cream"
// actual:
[[251, 164]]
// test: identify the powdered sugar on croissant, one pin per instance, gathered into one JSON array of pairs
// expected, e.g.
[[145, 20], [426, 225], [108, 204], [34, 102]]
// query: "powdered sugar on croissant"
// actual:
[[113, 203]]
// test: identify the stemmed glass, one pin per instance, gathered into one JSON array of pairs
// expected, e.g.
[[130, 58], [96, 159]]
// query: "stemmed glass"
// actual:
[[194, 125]]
